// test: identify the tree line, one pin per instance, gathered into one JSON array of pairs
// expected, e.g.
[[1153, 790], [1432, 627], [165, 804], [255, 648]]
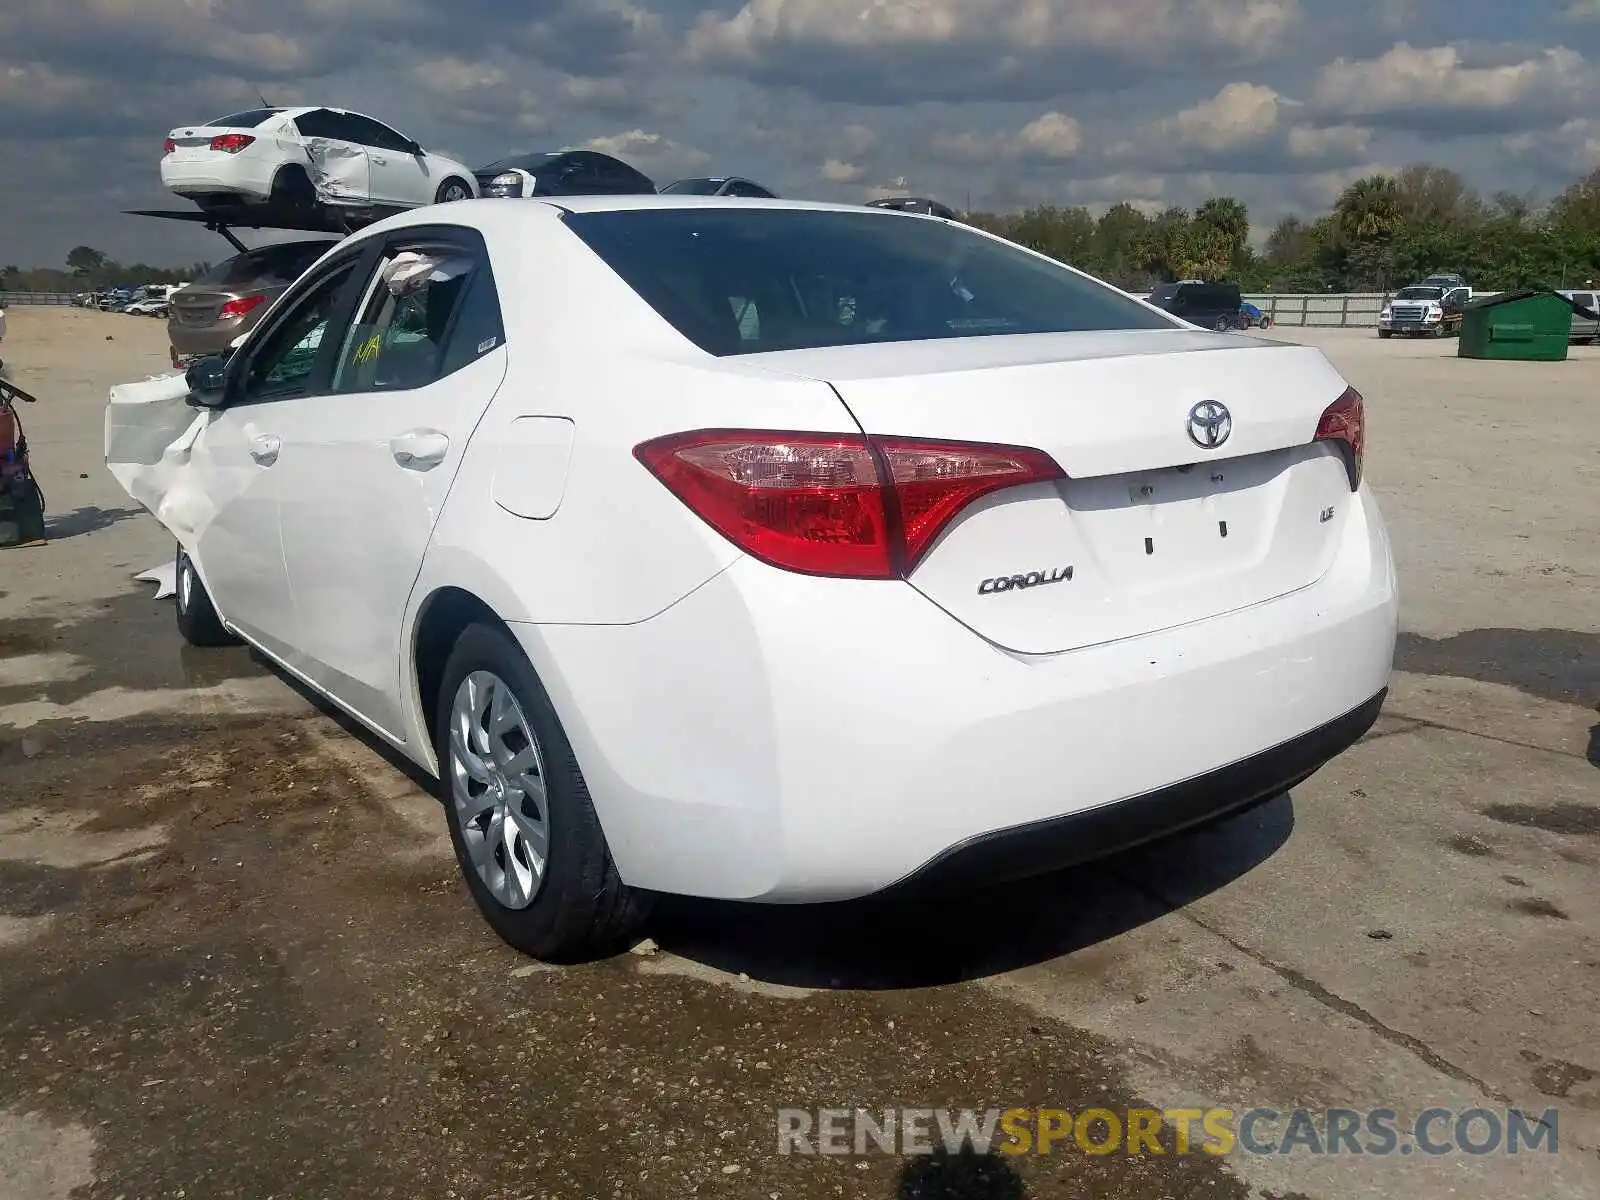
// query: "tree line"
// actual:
[[90, 270], [1383, 232]]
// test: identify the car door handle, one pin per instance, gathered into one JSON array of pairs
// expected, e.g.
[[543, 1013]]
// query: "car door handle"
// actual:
[[379, 159], [264, 448], [420, 449]]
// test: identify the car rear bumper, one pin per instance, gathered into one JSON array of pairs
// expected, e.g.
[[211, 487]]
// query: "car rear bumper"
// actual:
[[242, 175], [1079, 837], [197, 341], [782, 738]]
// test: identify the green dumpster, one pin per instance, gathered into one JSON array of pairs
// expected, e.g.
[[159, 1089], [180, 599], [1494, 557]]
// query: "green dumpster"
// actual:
[[1531, 325]]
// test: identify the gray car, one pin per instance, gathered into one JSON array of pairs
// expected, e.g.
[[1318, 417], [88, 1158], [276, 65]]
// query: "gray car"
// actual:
[[209, 313]]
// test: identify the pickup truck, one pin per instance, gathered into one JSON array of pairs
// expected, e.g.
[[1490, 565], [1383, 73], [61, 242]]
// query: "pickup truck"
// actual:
[[1425, 309]]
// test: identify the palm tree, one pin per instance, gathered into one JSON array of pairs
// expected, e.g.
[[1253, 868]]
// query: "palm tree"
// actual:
[[1369, 208], [1229, 217]]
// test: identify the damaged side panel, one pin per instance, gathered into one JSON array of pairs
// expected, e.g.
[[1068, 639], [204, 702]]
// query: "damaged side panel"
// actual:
[[340, 172], [150, 432], [194, 471]]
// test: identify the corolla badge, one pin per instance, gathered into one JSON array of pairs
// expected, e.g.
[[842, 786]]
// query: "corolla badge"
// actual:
[[1210, 423]]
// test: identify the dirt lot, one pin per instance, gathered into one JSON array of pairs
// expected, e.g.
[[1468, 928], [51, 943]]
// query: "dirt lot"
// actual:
[[235, 959]]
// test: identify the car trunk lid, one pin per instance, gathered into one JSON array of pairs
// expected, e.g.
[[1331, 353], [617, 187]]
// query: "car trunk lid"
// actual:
[[193, 142], [1150, 529], [194, 307]]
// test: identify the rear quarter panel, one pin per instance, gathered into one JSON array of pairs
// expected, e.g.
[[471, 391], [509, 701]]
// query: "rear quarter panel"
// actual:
[[618, 548]]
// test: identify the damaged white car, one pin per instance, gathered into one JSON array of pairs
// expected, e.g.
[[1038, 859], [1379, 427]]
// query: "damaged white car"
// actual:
[[289, 159], [773, 551]]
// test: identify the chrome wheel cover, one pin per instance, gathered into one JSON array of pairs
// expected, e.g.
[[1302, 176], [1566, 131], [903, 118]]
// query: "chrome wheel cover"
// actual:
[[497, 787]]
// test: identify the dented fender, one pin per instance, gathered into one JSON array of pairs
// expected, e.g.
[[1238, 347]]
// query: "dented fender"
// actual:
[[150, 436]]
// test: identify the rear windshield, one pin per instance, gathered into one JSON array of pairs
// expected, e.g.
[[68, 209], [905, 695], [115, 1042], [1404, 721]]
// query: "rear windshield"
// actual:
[[266, 266], [745, 281], [245, 120], [519, 162], [693, 187]]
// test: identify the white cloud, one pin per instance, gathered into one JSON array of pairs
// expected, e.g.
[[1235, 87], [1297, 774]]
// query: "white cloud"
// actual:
[[1443, 78], [1307, 141], [653, 153], [1131, 25], [1050, 137], [1237, 115], [838, 171], [481, 93], [1573, 146]]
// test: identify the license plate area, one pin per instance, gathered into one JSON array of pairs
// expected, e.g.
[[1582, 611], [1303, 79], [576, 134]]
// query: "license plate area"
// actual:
[[1176, 525]]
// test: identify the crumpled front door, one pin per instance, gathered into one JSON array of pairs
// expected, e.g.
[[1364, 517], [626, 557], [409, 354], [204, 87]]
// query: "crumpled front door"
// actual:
[[340, 172]]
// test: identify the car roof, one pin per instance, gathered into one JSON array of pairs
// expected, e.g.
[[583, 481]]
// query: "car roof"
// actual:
[[497, 215]]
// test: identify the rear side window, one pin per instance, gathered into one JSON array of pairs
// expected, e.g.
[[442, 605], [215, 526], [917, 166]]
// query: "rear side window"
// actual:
[[267, 266], [747, 281]]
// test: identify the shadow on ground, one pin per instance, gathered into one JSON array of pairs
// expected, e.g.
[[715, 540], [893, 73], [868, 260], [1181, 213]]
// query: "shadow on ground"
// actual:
[[1552, 664], [90, 519], [963, 1176], [878, 945]]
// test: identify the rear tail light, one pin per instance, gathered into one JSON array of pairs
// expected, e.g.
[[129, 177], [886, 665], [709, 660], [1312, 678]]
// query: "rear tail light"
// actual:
[[231, 143], [834, 504], [245, 304], [167, 147], [1345, 422]]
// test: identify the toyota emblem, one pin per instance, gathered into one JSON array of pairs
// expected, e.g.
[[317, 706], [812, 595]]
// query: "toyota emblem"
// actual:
[[1210, 423]]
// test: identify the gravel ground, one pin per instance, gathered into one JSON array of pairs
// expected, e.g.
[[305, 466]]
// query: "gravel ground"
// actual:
[[235, 959]]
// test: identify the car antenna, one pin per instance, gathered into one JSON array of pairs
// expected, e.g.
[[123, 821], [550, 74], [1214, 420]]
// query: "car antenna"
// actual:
[[262, 97]]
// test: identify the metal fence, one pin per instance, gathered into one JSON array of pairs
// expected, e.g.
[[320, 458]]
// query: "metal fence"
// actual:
[[10, 299], [1331, 310]]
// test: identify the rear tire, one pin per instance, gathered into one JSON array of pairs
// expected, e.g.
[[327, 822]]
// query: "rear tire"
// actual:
[[1223, 325], [571, 905], [451, 191], [198, 621], [292, 190]]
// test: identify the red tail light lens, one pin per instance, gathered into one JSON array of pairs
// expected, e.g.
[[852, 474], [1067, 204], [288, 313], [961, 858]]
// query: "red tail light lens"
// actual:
[[832, 504], [231, 143], [1345, 421], [168, 147], [245, 304]]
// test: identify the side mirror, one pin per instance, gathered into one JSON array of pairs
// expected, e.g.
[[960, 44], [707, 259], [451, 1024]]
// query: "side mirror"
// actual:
[[414, 149], [208, 382]]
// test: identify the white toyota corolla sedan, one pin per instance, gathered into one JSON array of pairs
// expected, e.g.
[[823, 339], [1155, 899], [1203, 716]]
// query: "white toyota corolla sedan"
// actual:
[[775, 551]]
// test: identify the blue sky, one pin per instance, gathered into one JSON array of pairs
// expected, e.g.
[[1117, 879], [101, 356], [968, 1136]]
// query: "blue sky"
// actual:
[[1003, 102]]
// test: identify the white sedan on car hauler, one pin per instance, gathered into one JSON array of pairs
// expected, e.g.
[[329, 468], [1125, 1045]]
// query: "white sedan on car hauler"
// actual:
[[774, 551], [293, 157]]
